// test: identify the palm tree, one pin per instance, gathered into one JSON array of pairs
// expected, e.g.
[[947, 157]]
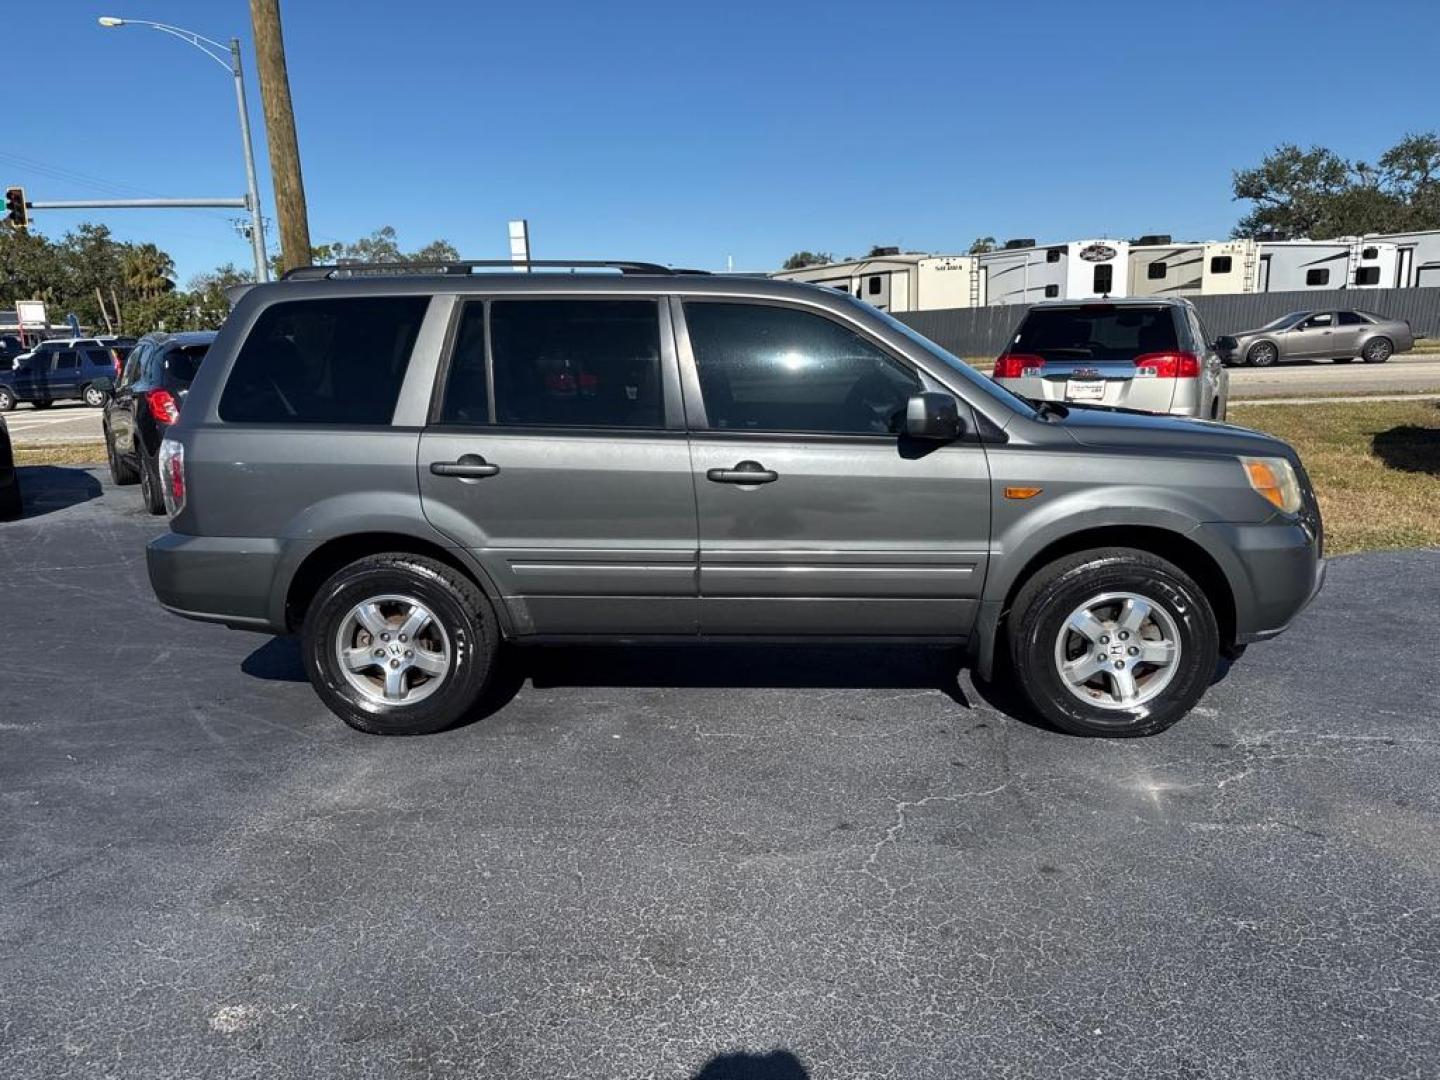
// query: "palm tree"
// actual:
[[148, 271]]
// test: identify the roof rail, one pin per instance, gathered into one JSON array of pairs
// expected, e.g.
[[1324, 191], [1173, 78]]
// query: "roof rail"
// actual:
[[317, 273]]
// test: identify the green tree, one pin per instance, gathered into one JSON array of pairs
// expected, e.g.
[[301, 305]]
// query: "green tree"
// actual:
[[802, 259], [171, 311], [982, 244], [208, 293], [147, 271]]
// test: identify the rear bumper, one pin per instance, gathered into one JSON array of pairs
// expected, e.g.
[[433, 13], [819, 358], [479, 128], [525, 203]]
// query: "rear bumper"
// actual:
[[220, 579], [1277, 571]]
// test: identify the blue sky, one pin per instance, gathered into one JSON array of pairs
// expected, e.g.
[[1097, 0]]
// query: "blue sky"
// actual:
[[686, 132]]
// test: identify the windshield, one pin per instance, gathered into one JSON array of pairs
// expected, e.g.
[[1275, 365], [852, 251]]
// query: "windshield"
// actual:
[[986, 386], [1285, 321], [1096, 332]]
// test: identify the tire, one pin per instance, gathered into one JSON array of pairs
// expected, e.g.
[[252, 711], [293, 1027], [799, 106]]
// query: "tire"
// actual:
[[1262, 354], [1041, 639], [1378, 350], [11, 505], [41, 404], [150, 492], [7, 399], [122, 472], [461, 629], [93, 396]]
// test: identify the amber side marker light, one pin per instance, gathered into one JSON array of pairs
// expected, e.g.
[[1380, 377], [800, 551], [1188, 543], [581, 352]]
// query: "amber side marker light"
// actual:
[[1022, 492]]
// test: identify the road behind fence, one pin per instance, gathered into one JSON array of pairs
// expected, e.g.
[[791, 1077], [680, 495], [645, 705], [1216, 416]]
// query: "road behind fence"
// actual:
[[985, 331]]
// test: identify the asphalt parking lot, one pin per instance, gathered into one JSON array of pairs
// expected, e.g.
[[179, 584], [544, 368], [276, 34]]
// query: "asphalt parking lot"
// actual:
[[701, 863]]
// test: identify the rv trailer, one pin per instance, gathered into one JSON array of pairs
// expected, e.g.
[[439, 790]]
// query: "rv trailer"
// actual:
[[1166, 269], [1078, 270], [1297, 265], [900, 282], [1231, 266], [1373, 263], [1417, 256]]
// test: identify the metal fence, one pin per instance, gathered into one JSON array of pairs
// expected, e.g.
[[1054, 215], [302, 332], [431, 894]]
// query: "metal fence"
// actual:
[[985, 331]]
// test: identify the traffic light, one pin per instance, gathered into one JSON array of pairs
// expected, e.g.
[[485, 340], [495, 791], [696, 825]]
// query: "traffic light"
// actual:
[[15, 212]]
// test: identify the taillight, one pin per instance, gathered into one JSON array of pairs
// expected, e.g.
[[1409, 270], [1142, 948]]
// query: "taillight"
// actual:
[[1168, 365], [163, 406], [172, 475], [1017, 366]]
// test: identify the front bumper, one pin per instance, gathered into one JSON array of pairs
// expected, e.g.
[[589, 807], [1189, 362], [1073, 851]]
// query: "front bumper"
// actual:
[[1277, 570], [221, 579]]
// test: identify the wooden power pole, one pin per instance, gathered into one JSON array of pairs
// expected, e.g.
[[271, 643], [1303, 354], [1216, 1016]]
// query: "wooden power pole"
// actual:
[[280, 134]]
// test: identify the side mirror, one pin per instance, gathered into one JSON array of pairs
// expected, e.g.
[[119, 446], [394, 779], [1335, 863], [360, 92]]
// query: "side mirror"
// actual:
[[933, 415]]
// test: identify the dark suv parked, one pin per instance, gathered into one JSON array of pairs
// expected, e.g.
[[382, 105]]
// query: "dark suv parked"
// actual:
[[43, 377], [157, 376], [409, 469]]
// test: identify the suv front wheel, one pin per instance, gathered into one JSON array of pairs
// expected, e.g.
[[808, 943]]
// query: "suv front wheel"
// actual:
[[399, 644], [1113, 642]]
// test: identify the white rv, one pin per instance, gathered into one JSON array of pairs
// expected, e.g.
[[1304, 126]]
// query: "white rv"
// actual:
[[1297, 265], [1417, 257], [1373, 263], [1079, 270], [898, 283], [1231, 266], [1166, 269]]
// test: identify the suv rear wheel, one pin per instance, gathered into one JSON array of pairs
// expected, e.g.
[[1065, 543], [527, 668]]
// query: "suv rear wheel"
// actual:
[[399, 644], [7, 399], [1113, 642]]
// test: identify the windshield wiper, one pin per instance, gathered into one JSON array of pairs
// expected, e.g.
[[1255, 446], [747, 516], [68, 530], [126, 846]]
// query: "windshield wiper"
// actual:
[[1047, 408]]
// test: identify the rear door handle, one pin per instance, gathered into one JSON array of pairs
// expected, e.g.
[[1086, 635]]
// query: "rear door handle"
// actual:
[[745, 472], [467, 467]]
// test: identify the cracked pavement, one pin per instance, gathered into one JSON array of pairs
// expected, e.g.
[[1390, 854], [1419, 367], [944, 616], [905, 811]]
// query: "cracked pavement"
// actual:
[[844, 860]]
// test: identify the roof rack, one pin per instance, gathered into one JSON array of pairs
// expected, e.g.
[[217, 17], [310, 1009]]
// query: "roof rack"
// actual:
[[316, 273]]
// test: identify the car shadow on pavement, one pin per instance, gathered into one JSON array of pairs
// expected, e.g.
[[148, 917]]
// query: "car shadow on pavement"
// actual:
[[45, 489], [776, 1065], [1409, 448]]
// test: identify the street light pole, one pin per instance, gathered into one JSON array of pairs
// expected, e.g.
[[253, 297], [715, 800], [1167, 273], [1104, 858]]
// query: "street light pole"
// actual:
[[230, 63], [257, 224]]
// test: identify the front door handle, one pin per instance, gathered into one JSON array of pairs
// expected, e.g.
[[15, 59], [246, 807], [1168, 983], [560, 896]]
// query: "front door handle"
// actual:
[[746, 472], [466, 467]]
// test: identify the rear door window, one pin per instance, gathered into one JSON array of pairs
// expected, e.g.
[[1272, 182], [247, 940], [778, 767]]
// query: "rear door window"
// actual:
[[769, 368], [563, 363], [69, 360], [1096, 332], [324, 361], [1350, 318]]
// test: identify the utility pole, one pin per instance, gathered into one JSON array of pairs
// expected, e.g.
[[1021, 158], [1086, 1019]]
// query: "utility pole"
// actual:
[[280, 134]]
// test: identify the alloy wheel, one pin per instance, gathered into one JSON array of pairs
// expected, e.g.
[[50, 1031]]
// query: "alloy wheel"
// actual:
[[392, 650], [1118, 650]]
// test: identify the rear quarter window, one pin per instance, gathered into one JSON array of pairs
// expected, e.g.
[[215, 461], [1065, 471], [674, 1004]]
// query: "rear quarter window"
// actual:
[[324, 361]]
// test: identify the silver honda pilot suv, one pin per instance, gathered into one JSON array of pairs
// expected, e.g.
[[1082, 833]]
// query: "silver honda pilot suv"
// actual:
[[411, 469]]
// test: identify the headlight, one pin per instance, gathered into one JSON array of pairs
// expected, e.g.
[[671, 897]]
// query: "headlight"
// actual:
[[1274, 478]]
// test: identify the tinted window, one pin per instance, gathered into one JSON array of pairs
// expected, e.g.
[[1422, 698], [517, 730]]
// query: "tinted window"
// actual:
[[65, 360], [1052, 292], [872, 285], [1317, 276], [1155, 271], [183, 361], [1370, 253], [1317, 320], [324, 362], [1104, 278], [1350, 318], [765, 368], [1108, 332], [1367, 275], [132, 364], [467, 389], [100, 358], [1053, 254], [575, 363], [1220, 264]]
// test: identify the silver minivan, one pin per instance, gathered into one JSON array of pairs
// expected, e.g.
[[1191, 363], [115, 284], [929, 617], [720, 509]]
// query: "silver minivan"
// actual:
[[1146, 353]]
